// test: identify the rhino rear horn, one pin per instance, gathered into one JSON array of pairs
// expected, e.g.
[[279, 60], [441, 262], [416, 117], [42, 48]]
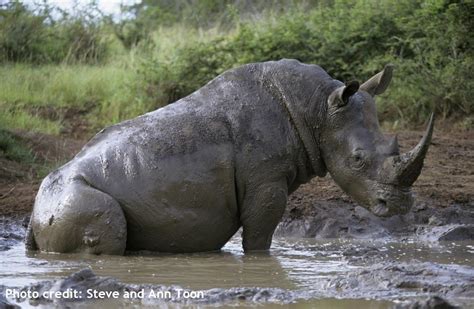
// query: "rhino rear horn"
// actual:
[[341, 95], [378, 83], [393, 148]]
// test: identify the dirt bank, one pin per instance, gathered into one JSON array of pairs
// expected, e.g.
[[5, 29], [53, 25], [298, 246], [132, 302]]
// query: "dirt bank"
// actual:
[[19, 182]]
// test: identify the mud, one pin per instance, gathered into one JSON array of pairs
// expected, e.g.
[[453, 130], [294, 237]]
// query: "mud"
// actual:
[[12, 231], [330, 220], [85, 279], [19, 182], [339, 274]]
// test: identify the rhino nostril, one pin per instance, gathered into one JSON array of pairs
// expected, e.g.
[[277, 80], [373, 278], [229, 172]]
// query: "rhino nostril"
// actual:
[[380, 208]]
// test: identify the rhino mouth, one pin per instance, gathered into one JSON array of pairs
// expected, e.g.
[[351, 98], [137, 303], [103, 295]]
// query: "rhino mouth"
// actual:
[[391, 201]]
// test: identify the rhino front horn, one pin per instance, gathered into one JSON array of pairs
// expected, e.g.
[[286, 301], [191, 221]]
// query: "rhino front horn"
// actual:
[[403, 170]]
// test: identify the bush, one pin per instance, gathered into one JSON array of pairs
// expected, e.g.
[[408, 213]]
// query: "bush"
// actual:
[[429, 42], [33, 36], [173, 48], [436, 68], [21, 33]]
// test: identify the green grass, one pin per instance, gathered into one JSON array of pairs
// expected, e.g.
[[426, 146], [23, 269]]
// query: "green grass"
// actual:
[[57, 85], [18, 119], [13, 149], [111, 92], [104, 90]]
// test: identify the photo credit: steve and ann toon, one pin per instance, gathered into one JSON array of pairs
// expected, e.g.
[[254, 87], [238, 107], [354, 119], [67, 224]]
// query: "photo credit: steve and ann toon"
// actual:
[[72, 294]]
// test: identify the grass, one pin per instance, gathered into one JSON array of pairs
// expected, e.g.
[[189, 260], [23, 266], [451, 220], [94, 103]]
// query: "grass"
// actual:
[[58, 85], [103, 89], [15, 118], [110, 93], [12, 149]]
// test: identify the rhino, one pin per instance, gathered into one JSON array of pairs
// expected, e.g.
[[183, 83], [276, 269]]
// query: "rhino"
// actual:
[[187, 176]]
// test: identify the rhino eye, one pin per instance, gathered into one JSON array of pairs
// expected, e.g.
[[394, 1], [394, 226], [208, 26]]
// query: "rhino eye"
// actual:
[[358, 160]]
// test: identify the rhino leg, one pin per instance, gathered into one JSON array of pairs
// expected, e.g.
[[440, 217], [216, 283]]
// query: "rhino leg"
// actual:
[[262, 211], [82, 219]]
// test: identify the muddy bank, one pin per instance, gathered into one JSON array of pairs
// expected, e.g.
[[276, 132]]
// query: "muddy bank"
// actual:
[[331, 220], [19, 181]]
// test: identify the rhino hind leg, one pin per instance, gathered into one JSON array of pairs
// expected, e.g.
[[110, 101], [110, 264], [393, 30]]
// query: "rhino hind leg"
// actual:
[[262, 211], [84, 220]]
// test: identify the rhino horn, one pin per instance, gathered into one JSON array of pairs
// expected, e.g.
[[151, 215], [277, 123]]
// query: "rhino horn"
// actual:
[[404, 169], [393, 148]]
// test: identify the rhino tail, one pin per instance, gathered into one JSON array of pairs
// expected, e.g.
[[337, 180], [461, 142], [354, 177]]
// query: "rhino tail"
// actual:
[[30, 242]]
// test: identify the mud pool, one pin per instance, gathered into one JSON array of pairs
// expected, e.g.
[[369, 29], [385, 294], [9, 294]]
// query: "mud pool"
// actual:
[[303, 272]]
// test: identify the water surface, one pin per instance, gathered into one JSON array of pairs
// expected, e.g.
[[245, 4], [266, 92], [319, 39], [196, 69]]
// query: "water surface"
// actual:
[[324, 273]]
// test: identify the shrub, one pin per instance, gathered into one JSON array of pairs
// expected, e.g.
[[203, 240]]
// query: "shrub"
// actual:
[[33, 36], [429, 42]]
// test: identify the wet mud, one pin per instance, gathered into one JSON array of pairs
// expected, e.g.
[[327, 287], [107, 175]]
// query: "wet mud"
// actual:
[[403, 273], [12, 231]]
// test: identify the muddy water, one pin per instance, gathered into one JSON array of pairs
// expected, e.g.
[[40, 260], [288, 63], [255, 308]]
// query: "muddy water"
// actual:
[[336, 274]]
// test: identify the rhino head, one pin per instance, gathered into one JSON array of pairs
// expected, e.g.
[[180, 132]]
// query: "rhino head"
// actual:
[[365, 163]]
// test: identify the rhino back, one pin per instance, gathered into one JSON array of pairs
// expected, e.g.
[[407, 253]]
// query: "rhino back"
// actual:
[[180, 173], [175, 171]]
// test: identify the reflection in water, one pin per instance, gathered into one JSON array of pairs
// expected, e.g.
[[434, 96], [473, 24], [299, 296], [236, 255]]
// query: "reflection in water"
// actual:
[[293, 264]]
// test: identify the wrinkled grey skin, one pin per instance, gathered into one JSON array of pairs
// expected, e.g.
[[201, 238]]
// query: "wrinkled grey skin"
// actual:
[[186, 177]]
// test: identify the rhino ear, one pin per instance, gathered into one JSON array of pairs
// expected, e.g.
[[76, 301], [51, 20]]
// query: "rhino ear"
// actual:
[[378, 83], [341, 95]]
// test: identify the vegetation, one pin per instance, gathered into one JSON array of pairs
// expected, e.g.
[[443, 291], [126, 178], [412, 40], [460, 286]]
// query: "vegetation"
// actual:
[[12, 149], [34, 35], [114, 69], [430, 43]]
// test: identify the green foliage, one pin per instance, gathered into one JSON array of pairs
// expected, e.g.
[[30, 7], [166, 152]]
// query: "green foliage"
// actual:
[[165, 50], [21, 33], [102, 92], [436, 69], [12, 149], [429, 42], [34, 36]]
